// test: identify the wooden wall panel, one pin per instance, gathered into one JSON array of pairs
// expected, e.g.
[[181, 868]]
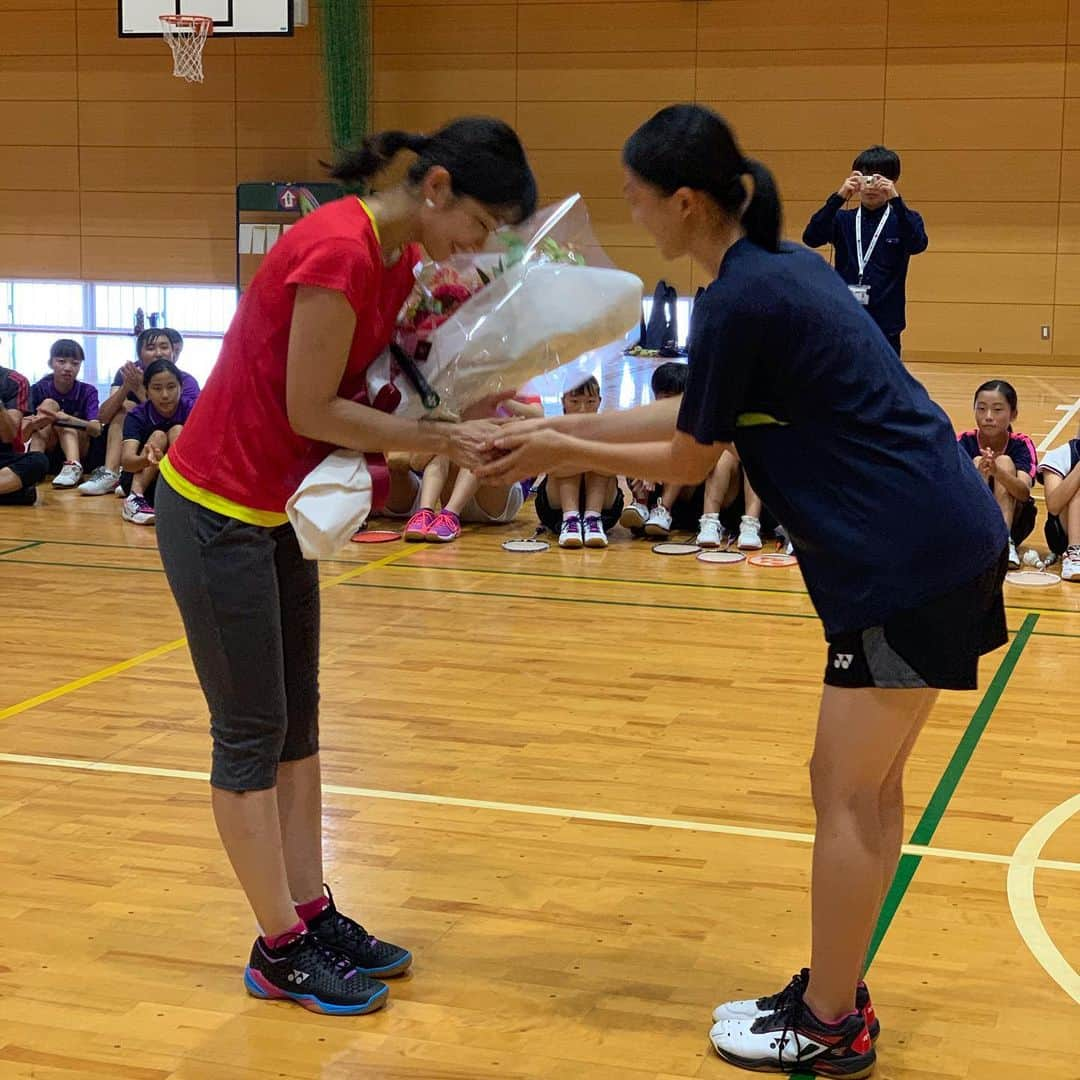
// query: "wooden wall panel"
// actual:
[[120, 258], [41, 78], [27, 168], [1001, 124], [1067, 330], [51, 213], [795, 75], [435, 77], [134, 214], [973, 328], [989, 22], [1032, 71], [983, 277], [155, 124], [428, 28], [1067, 288], [605, 76], [583, 26], [36, 256], [106, 148], [33, 32], [779, 24], [40, 123], [198, 170]]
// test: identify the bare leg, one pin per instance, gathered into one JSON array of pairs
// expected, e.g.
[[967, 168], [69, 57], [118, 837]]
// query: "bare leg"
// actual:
[[599, 492], [751, 499], [9, 482], [249, 828], [465, 487], [299, 806], [69, 443], [568, 490], [434, 478], [861, 738], [114, 442], [1072, 520], [723, 483]]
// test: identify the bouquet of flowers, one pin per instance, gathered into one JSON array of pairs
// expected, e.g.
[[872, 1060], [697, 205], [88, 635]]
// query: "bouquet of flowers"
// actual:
[[480, 324]]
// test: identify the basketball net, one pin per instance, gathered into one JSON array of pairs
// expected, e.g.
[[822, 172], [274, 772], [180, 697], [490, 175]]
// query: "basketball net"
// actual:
[[186, 35]]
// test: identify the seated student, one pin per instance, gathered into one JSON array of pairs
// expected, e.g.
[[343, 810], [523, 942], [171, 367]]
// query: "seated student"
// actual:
[[460, 494], [1059, 472], [560, 499], [65, 414], [149, 430], [1005, 458], [128, 391], [731, 506], [176, 340], [20, 472], [687, 508]]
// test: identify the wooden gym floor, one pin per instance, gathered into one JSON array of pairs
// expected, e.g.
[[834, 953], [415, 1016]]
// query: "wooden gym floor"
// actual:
[[573, 783]]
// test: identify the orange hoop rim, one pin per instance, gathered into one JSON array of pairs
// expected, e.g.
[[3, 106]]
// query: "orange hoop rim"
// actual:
[[189, 22]]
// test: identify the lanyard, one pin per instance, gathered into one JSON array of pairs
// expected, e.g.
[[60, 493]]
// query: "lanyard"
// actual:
[[865, 259]]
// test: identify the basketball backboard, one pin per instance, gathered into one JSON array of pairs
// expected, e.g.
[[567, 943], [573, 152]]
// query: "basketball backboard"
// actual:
[[250, 18]]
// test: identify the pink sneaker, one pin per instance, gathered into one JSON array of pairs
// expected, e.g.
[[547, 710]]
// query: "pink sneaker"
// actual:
[[445, 528], [419, 525]]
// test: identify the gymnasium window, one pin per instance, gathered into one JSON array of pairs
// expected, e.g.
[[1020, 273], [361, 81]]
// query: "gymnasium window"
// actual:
[[74, 309]]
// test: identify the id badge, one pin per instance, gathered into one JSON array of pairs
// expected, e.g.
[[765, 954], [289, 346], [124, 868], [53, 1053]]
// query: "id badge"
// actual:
[[861, 293]]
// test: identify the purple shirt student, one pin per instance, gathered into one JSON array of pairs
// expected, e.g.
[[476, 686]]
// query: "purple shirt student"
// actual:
[[81, 401], [144, 420]]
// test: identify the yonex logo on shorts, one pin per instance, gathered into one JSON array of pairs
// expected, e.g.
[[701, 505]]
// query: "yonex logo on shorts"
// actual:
[[843, 660]]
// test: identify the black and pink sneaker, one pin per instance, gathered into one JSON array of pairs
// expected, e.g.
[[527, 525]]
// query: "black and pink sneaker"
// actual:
[[371, 955], [313, 975]]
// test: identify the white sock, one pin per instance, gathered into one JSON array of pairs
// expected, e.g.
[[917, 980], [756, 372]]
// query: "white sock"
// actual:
[[567, 514], [710, 517], [591, 514]]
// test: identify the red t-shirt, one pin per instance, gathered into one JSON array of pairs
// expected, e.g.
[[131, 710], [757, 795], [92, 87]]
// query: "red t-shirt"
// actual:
[[237, 453]]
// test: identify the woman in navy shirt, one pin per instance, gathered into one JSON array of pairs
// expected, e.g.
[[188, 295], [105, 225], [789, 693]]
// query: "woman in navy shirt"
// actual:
[[900, 542]]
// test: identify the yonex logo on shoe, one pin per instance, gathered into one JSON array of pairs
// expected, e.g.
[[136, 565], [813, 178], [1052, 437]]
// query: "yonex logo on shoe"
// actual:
[[843, 660], [298, 976]]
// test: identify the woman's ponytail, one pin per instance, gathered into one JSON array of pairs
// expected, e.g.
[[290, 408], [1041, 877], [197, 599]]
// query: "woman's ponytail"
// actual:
[[691, 146], [763, 217], [358, 164]]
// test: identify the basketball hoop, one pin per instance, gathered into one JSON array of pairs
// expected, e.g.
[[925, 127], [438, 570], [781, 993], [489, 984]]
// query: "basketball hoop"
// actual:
[[186, 35]]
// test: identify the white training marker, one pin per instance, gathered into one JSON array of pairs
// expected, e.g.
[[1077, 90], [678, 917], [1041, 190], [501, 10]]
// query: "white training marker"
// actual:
[[525, 545], [1035, 579], [676, 549], [723, 558]]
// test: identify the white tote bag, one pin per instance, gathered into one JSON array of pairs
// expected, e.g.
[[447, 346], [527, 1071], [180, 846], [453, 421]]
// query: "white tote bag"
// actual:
[[331, 503]]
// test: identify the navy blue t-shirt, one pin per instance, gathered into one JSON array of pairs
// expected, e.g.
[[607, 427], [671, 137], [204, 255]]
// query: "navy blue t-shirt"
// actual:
[[904, 235], [144, 420], [844, 447]]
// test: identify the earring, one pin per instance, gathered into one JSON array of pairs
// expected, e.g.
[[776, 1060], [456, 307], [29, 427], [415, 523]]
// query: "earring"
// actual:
[[428, 203]]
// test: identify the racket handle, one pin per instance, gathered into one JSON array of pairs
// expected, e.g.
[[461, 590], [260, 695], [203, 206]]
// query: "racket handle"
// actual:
[[428, 396]]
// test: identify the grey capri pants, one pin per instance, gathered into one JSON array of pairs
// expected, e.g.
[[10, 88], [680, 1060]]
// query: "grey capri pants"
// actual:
[[250, 605]]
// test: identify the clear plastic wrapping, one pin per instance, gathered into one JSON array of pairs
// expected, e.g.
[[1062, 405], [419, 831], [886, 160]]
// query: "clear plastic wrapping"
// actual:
[[482, 324]]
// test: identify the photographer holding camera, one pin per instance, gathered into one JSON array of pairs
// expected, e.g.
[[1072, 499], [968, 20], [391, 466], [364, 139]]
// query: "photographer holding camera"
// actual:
[[874, 242]]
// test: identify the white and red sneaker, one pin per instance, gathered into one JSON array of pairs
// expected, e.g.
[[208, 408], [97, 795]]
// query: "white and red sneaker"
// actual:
[[751, 1008]]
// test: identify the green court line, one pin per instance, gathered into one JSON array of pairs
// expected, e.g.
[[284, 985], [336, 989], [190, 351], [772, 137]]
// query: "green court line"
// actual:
[[1025, 608], [580, 600], [950, 780], [22, 547]]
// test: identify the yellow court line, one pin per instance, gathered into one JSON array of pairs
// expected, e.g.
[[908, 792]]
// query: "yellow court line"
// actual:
[[1020, 887], [562, 812], [89, 680], [168, 647]]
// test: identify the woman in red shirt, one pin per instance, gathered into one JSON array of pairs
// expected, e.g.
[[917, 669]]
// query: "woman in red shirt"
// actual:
[[288, 387]]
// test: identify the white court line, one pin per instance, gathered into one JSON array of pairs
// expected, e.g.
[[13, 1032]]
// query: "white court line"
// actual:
[[1020, 886], [563, 812], [1067, 413]]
